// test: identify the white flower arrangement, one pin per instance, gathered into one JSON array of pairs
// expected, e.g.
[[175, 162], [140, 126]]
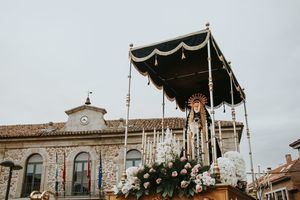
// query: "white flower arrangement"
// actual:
[[132, 182], [167, 174], [227, 171], [239, 163], [168, 149]]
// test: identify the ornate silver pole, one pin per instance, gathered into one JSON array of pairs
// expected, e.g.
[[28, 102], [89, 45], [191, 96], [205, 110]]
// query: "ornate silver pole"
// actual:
[[212, 112], [249, 143], [127, 119], [233, 113]]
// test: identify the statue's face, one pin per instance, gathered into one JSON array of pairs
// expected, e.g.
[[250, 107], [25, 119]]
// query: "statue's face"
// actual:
[[196, 106]]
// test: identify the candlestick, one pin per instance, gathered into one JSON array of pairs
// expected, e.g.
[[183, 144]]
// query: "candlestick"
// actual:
[[220, 137], [198, 145], [154, 144], [207, 145], [183, 142], [193, 146], [143, 145], [188, 146]]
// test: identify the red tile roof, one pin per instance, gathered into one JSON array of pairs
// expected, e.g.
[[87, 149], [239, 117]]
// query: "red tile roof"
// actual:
[[113, 126], [280, 173]]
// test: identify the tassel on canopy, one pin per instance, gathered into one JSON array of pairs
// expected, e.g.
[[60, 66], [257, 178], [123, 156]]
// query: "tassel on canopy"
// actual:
[[182, 54], [155, 63]]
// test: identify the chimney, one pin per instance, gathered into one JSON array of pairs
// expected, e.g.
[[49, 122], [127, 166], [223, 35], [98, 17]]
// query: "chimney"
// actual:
[[288, 158]]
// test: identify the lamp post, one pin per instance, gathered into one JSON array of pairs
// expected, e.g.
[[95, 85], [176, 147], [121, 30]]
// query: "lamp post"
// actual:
[[12, 166]]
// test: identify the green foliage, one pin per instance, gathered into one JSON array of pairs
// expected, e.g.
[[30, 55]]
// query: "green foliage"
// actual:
[[166, 178]]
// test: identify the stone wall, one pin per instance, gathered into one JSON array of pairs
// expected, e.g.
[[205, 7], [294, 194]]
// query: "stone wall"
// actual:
[[112, 162]]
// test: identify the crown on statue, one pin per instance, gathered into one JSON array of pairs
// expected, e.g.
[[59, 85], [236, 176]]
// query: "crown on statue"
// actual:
[[197, 97]]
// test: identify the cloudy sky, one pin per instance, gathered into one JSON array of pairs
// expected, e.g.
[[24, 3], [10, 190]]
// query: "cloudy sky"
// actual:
[[53, 52]]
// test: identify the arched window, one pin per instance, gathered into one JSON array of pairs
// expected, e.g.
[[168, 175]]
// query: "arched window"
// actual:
[[33, 174], [81, 175], [133, 158]]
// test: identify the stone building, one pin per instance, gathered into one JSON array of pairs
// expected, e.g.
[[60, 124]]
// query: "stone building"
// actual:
[[296, 145], [280, 183], [65, 152]]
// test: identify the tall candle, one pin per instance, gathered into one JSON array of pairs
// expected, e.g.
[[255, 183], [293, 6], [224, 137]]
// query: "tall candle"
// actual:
[[148, 151], [145, 148], [178, 146], [183, 142], [198, 145], [188, 145], [220, 137], [207, 145], [154, 145], [193, 146], [143, 145]]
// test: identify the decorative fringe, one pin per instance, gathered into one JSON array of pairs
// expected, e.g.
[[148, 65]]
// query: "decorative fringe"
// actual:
[[182, 54], [155, 63]]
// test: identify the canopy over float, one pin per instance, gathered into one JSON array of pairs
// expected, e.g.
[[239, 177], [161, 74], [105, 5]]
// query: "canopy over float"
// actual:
[[180, 67], [191, 66]]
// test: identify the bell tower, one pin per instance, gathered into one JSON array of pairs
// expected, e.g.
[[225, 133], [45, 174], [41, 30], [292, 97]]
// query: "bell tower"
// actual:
[[85, 118]]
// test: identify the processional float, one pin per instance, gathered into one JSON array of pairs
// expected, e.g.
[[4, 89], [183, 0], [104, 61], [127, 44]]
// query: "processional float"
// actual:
[[193, 71]]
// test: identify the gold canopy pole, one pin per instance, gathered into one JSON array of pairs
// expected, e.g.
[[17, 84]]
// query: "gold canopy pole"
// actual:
[[233, 113], [127, 119], [212, 112]]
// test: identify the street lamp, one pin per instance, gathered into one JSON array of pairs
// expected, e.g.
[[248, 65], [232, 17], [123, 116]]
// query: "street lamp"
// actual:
[[12, 166]]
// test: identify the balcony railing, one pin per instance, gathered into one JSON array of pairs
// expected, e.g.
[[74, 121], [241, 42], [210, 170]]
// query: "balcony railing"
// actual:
[[71, 188], [29, 187]]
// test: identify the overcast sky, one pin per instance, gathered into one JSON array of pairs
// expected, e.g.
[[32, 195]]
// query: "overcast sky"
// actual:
[[53, 52]]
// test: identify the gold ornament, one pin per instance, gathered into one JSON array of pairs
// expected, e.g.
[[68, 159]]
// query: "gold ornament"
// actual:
[[198, 97]]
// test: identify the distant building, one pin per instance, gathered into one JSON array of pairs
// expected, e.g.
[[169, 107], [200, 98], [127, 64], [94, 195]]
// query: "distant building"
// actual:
[[281, 183], [296, 145], [66, 154]]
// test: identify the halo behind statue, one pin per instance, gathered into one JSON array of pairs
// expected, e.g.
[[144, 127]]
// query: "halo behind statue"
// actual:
[[197, 97]]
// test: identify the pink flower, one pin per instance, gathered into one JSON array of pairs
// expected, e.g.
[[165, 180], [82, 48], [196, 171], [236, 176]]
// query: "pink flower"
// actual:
[[208, 181], [184, 184], [146, 185], [187, 166], [193, 174], [206, 173], [146, 176], [170, 164], [174, 173], [152, 170], [199, 188], [197, 166], [158, 180], [183, 159], [199, 176], [183, 172], [195, 170]]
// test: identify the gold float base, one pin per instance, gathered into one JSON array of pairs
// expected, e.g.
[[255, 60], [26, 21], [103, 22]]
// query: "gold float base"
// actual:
[[219, 192]]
